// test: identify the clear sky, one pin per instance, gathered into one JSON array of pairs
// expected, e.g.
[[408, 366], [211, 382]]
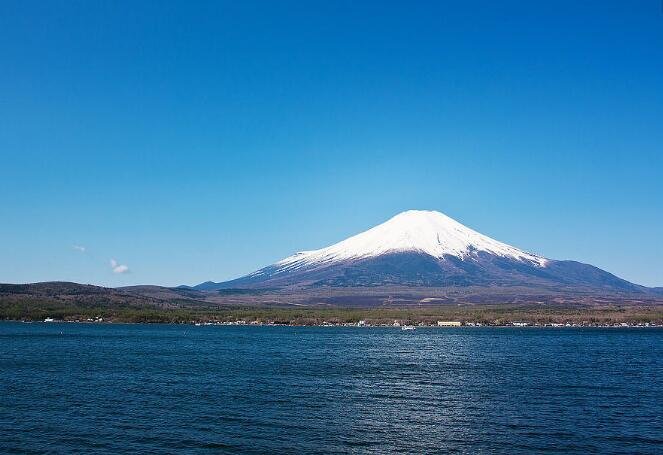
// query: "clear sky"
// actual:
[[193, 141]]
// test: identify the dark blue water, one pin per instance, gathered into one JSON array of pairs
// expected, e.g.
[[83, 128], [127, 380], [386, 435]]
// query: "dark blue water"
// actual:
[[165, 388]]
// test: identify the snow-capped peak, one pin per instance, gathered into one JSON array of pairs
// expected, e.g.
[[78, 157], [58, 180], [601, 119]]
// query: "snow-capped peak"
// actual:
[[423, 231]]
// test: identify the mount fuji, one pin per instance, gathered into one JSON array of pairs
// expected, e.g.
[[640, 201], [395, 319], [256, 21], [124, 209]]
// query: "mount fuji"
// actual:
[[420, 248]]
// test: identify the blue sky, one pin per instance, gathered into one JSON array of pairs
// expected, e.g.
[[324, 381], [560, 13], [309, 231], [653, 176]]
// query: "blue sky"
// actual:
[[192, 142]]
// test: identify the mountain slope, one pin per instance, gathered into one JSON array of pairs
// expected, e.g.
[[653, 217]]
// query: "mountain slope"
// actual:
[[425, 248], [85, 294]]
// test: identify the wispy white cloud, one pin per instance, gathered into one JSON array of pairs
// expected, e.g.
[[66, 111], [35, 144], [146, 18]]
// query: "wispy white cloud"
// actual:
[[80, 248], [117, 267]]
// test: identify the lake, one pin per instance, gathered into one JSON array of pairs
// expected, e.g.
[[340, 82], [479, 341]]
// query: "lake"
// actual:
[[114, 388]]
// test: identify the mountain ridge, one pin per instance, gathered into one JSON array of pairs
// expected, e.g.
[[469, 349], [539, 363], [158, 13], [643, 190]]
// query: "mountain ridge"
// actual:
[[426, 248]]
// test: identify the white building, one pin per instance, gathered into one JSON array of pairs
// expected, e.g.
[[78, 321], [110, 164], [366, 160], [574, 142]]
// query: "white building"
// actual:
[[448, 323]]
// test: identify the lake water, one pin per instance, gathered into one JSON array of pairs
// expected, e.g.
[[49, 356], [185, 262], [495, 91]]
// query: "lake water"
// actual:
[[163, 388]]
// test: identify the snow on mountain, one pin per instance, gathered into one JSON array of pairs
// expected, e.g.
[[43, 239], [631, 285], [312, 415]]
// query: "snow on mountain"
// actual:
[[420, 231]]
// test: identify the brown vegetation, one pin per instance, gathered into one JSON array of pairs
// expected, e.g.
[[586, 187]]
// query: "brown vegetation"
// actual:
[[382, 306]]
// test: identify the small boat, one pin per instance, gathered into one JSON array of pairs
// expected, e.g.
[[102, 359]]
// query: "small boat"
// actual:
[[49, 320], [407, 327]]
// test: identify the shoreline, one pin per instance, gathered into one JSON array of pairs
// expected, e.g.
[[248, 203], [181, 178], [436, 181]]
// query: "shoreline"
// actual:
[[496, 315], [349, 325]]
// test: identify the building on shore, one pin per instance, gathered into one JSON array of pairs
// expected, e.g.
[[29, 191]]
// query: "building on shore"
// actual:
[[448, 323]]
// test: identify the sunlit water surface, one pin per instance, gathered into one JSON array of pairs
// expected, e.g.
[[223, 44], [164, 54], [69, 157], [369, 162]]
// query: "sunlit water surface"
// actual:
[[162, 388]]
